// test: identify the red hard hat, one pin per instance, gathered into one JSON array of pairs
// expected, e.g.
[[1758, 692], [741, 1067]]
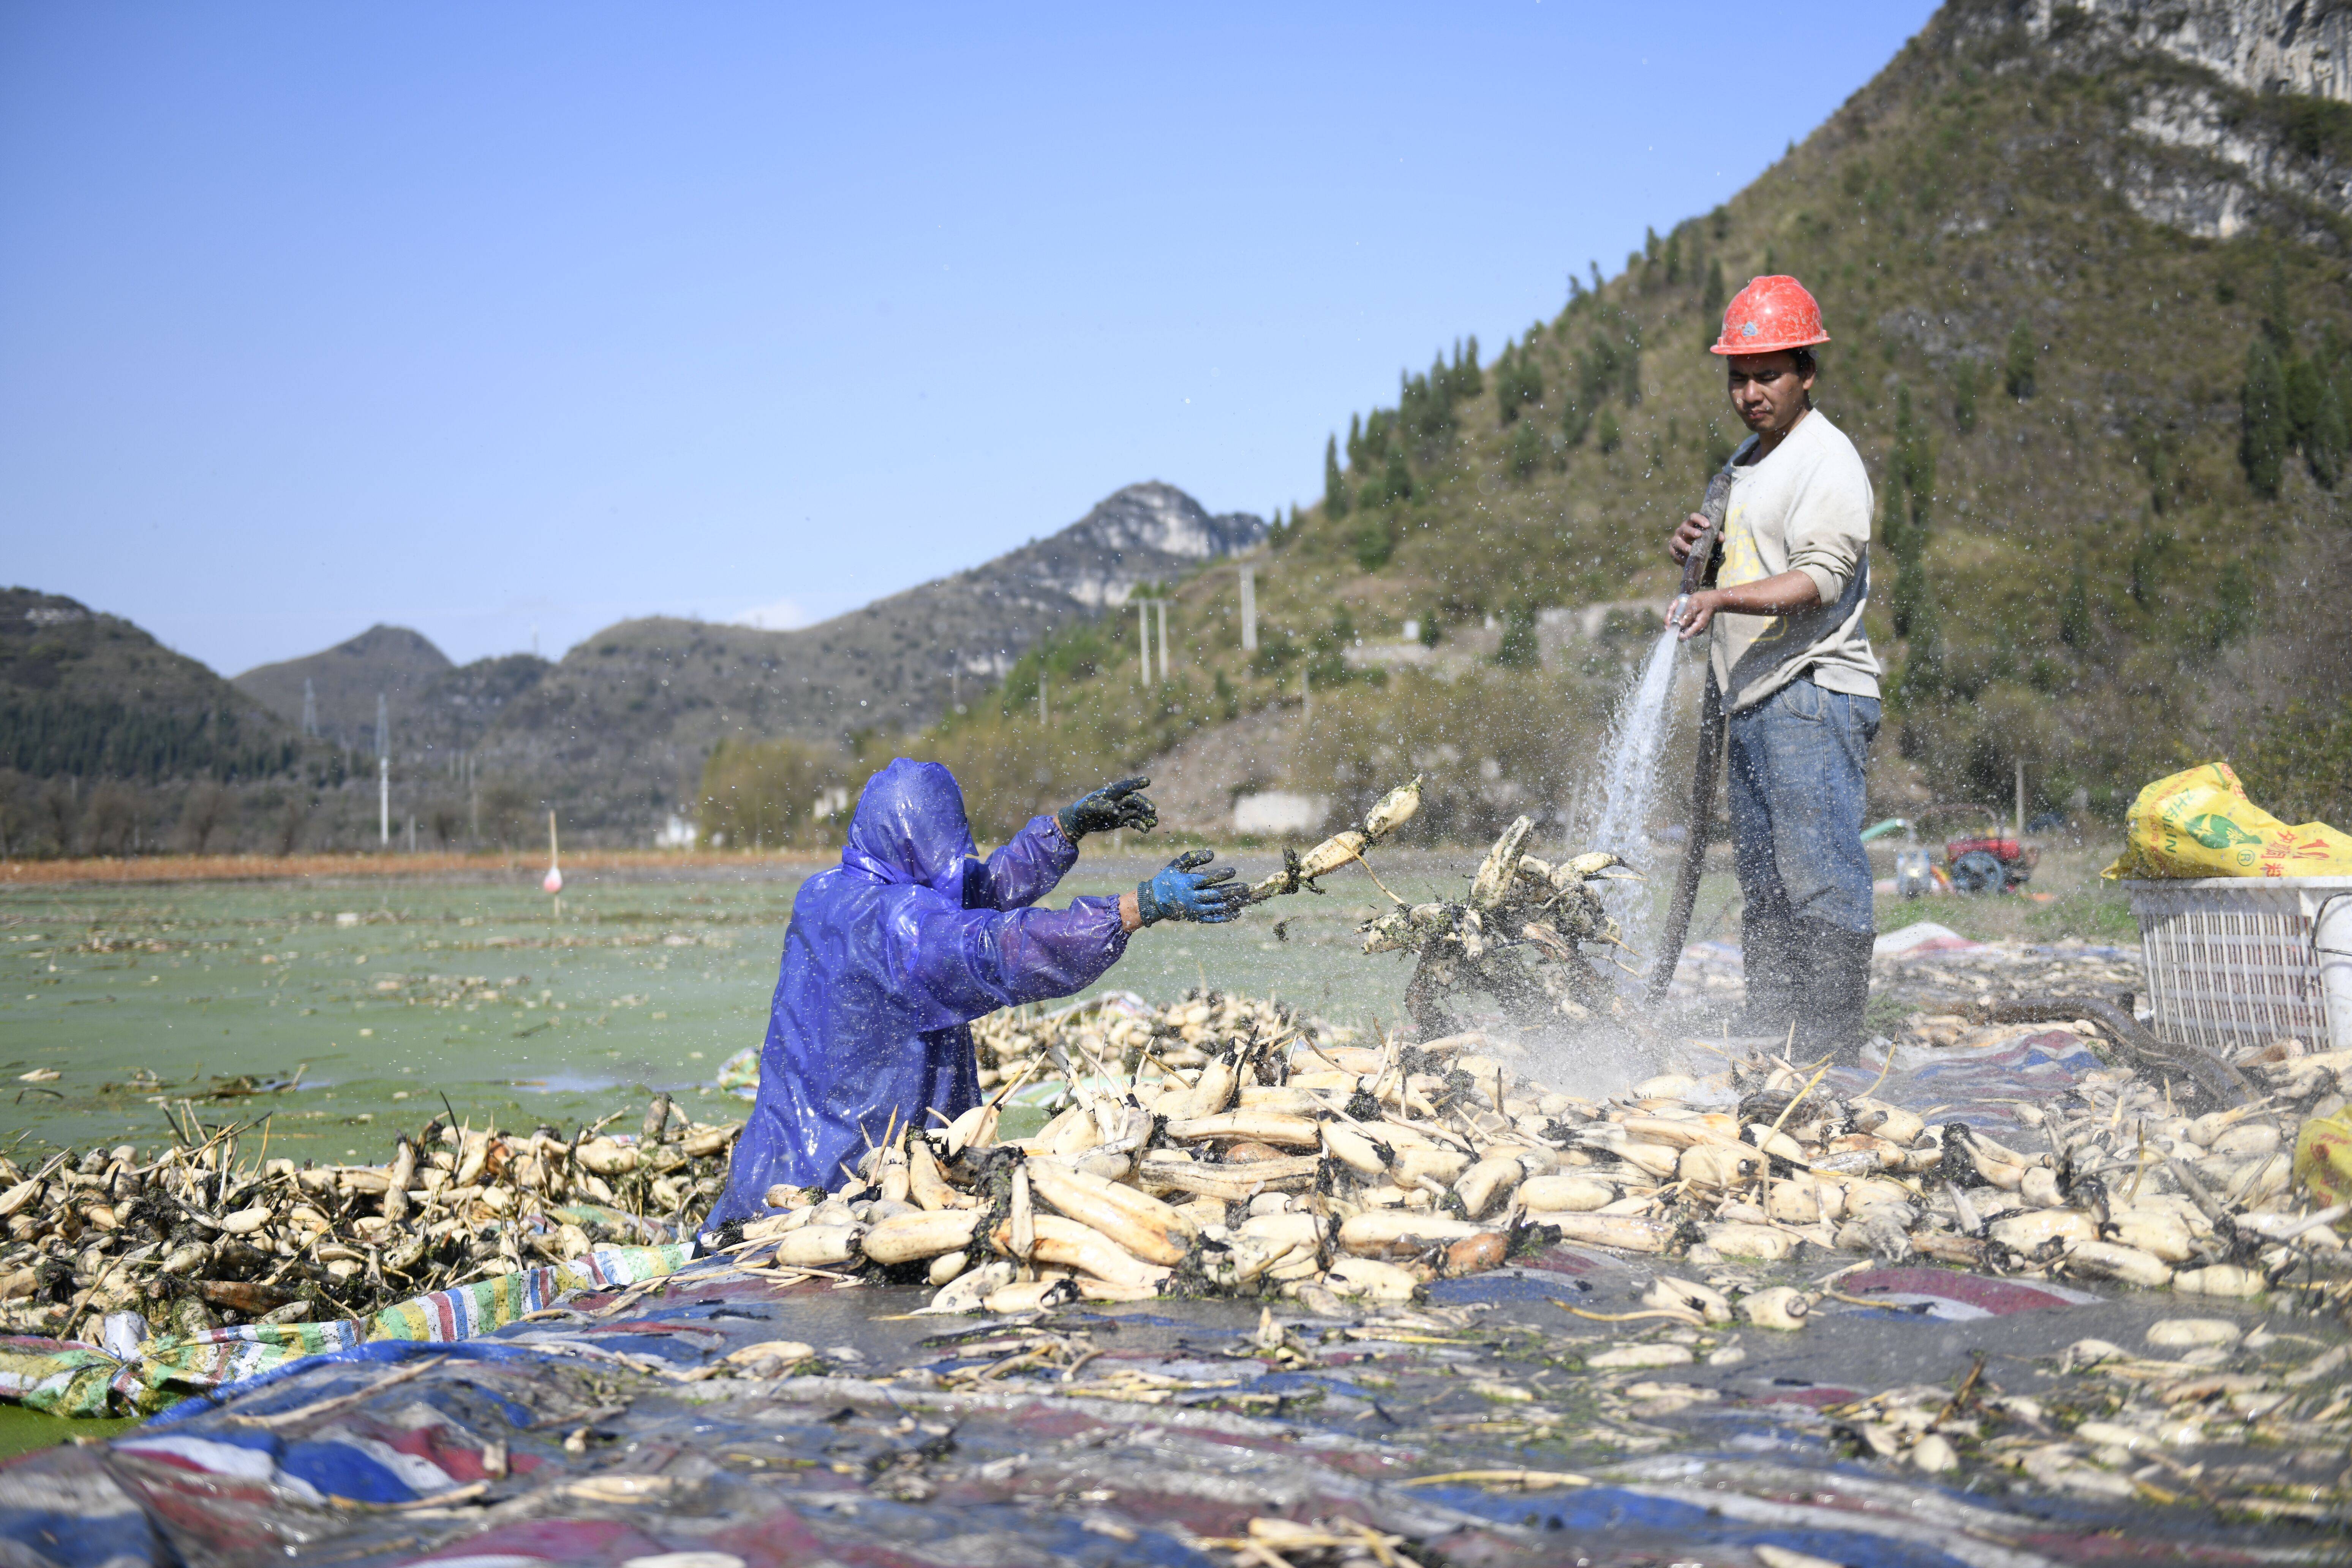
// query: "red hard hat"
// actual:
[[1769, 315]]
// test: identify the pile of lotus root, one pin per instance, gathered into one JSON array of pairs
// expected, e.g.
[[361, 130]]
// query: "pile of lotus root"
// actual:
[[1016, 1045], [194, 1237], [1288, 1164]]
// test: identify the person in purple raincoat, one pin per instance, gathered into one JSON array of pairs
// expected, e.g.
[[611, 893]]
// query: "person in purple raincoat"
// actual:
[[891, 955]]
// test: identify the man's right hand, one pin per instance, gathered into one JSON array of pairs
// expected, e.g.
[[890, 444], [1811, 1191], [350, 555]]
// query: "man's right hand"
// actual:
[[1685, 538]]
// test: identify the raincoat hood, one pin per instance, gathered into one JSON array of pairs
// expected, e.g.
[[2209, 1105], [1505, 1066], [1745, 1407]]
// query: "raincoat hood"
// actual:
[[911, 828]]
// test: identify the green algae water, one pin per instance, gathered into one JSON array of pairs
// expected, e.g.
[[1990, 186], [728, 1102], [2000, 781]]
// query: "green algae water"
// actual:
[[329, 1014]]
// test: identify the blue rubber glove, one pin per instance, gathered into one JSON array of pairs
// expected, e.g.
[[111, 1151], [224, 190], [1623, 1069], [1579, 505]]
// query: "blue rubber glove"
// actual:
[[1180, 892], [1120, 805]]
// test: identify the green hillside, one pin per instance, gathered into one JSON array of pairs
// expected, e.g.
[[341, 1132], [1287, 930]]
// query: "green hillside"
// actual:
[[2103, 439], [92, 696]]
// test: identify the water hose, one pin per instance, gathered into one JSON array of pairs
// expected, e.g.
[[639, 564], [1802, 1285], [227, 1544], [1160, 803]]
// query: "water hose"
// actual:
[[1695, 569]]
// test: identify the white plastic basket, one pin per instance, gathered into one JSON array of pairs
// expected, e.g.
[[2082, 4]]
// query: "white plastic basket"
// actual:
[[2242, 961]]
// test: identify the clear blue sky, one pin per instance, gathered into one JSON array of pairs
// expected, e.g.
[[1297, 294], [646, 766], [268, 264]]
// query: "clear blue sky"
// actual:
[[478, 318]]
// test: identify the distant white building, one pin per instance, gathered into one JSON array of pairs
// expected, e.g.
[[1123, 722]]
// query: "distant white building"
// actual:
[[676, 833], [1277, 814]]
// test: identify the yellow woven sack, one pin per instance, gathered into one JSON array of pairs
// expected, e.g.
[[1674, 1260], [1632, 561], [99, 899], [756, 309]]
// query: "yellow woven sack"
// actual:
[[2323, 1158], [2200, 823]]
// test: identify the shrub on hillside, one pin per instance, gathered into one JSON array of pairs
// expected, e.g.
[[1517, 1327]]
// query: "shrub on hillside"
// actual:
[[2261, 419], [773, 794]]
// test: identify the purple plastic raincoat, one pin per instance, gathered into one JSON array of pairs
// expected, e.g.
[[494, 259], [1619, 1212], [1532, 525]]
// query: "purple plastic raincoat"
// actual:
[[889, 957]]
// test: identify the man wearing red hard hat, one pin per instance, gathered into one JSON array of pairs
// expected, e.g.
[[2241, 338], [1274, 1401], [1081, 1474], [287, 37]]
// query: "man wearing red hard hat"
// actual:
[[1798, 680]]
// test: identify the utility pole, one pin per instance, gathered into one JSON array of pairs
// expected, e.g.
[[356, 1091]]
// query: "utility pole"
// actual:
[[1143, 641], [384, 772], [1305, 697], [1163, 640], [310, 708], [2020, 798], [1044, 714], [1249, 609], [473, 805]]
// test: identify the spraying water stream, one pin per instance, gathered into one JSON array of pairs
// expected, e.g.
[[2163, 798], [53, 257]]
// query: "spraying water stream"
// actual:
[[1638, 732]]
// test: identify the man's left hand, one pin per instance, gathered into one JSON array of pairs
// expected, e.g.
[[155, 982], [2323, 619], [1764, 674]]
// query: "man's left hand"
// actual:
[[1120, 804], [1699, 611]]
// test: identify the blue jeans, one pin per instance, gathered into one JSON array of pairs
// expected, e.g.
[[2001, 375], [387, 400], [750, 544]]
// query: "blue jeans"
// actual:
[[1796, 800]]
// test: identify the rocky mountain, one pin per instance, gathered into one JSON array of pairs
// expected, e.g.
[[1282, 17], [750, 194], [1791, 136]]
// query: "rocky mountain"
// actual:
[[1144, 533], [2249, 136], [617, 731], [2292, 47]]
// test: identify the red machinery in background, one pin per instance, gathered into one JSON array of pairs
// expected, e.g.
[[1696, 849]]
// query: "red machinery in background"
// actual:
[[1990, 863]]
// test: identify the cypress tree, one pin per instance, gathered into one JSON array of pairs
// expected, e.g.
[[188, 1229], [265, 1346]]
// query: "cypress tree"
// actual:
[[1519, 381], [2262, 412], [1610, 437], [2017, 372], [1909, 481], [1527, 451], [2325, 451], [1910, 605], [1396, 479], [2277, 326], [1575, 419], [2304, 385], [1923, 663], [1890, 518], [1918, 464], [1355, 442], [1335, 489], [1712, 300], [2160, 482], [2075, 629]]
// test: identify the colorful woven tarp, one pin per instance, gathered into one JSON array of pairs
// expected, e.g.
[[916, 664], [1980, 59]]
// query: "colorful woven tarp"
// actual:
[[1980, 1085], [62, 1377], [486, 1304]]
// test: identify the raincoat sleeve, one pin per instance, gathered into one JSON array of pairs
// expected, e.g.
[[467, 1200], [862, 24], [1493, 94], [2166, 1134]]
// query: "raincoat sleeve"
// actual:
[[1023, 869], [953, 965]]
